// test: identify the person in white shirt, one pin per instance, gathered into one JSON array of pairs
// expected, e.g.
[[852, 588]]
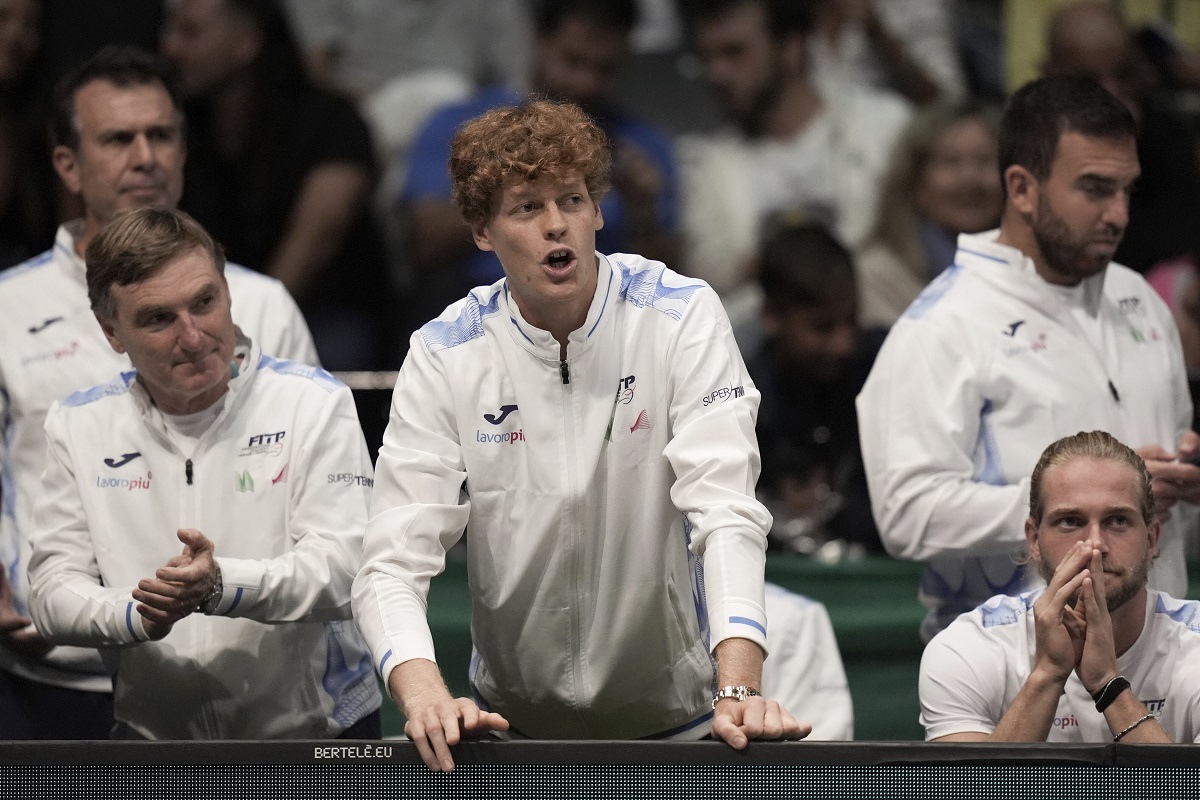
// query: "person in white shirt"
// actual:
[[589, 422], [792, 146], [1031, 334], [805, 673], [201, 516], [119, 144], [1093, 657]]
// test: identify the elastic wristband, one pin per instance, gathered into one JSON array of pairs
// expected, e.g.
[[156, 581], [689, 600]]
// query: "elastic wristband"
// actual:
[[1105, 697]]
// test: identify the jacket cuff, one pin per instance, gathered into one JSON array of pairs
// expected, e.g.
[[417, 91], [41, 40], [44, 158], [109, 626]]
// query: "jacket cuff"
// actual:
[[240, 579]]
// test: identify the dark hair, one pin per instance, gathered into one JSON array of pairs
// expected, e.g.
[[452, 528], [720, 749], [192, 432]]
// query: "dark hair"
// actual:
[[801, 264], [280, 65], [540, 137], [1041, 111], [135, 245], [785, 18], [1094, 444], [120, 65], [620, 15]]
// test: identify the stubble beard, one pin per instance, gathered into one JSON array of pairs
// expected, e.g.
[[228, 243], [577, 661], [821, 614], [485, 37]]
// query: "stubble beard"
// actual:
[[1115, 595], [1063, 252]]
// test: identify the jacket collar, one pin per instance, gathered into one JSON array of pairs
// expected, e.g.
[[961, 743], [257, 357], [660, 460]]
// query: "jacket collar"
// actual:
[[244, 373], [64, 252], [1015, 272], [541, 343]]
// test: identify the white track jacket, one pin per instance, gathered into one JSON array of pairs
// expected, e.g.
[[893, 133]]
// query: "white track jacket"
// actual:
[[987, 367], [613, 536], [51, 346], [280, 482]]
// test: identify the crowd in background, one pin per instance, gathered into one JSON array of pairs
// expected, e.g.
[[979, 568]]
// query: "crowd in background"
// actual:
[[813, 161]]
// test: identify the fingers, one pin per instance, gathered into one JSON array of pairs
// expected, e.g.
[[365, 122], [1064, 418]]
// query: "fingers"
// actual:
[[1098, 596], [194, 541], [438, 727], [476, 721], [725, 728], [736, 723]]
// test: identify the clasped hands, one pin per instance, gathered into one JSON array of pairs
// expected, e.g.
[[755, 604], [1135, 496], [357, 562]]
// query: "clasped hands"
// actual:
[[1074, 630], [177, 588]]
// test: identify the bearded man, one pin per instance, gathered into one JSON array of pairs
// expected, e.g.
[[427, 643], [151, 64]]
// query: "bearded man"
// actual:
[[1095, 654], [1033, 333]]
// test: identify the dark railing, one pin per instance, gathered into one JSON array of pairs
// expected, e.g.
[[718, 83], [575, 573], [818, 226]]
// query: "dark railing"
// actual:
[[541, 770]]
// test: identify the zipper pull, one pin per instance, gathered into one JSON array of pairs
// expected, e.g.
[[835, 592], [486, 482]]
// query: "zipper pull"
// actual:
[[565, 371], [1113, 389], [187, 470]]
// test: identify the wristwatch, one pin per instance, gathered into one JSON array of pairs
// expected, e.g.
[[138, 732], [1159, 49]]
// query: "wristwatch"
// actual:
[[210, 602], [738, 693]]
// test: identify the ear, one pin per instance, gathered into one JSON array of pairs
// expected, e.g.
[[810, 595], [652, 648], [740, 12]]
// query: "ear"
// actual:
[[110, 332], [1031, 539], [599, 216], [479, 231], [66, 164], [1153, 530], [1022, 189]]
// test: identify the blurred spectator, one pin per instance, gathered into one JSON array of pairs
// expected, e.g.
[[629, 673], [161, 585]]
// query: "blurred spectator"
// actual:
[[904, 45], [359, 46], [978, 35], [792, 149], [1091, 39], [580, 48], [1177, 282], [809, 370], [281, 172], [26, 184], [804, 671], [944, 180]]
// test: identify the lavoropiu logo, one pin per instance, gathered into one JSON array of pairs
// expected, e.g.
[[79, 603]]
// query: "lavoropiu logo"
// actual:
[[128, 484], [507, 437]]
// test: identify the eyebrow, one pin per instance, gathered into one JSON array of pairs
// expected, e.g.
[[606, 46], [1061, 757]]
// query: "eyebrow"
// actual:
[[144, 313], [1076, 511]]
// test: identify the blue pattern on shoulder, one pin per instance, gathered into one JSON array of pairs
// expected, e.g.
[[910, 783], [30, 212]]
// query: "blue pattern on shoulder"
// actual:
[[315, 374], [1187, 612], [440, 334], [118, 385], [40, 260], [1005, 609], [933, 293], [646, 289]]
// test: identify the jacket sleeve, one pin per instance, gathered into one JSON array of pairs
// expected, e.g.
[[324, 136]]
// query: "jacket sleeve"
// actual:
[[714, 453], [418, 511], [919, 419], [68, 601], [329, 480]]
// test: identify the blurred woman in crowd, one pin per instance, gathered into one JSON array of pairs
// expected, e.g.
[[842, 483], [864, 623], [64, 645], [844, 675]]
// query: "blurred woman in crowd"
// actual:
[[943, 180], [26, 216]]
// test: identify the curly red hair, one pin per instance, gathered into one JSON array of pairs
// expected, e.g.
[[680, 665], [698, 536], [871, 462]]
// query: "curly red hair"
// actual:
[[535, 138]]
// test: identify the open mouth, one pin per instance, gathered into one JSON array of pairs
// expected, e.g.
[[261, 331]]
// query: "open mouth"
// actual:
[[559, 259]]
